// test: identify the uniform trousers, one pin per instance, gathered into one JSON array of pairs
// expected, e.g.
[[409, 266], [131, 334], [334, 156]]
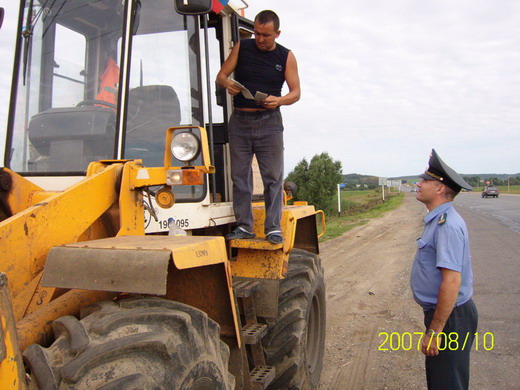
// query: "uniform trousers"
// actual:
[[449, 370], [258, 133]]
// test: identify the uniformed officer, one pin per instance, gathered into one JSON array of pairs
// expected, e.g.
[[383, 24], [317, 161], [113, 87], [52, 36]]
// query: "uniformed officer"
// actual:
[[442, 280]]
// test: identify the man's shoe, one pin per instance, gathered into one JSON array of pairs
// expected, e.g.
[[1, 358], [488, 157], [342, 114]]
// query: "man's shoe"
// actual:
[[239, 234], [274, 238]]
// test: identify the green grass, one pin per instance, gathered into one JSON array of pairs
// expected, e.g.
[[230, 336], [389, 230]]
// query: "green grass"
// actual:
[[510, 190], [361, 207], [360, 196]]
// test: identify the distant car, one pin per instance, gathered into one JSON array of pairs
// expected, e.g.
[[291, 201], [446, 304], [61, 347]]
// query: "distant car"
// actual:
[[490, 191]]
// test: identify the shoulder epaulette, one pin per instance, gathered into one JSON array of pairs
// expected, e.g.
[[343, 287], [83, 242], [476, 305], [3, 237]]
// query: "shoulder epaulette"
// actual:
[[442, 219]]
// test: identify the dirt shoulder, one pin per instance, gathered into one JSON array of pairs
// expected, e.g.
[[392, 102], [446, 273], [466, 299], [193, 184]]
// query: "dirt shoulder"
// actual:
[[367, 276]]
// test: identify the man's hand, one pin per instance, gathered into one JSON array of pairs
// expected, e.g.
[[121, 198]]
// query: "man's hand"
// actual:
[[429, 345], [232, 88], [271, 102]]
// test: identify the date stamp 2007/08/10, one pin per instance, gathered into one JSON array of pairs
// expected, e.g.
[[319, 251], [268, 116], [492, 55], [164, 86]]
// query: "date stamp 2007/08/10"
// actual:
[[452, 341]]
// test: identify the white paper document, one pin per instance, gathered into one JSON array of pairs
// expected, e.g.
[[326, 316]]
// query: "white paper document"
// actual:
[[259, 96]]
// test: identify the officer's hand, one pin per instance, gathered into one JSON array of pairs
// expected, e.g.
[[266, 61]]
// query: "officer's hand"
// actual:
[[429, 346], [232, 88], [271, 102]]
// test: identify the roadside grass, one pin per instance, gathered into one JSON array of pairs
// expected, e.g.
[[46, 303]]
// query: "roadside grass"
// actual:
[[503, 189], [358, 208], [509, 190]]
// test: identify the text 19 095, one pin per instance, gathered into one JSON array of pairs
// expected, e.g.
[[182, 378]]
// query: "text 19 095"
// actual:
[[183, 223]]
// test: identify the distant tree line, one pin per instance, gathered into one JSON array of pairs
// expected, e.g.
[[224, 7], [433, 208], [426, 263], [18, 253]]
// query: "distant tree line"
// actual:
[[477, 181], [354, 181], [317, 181]]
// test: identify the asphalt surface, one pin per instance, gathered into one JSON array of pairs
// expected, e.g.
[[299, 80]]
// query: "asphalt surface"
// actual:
[[494, 228]]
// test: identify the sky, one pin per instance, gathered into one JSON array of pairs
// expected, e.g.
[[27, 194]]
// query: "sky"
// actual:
[[385, 81]]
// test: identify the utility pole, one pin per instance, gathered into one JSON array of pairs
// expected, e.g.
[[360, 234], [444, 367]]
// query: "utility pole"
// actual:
[[339, 202]]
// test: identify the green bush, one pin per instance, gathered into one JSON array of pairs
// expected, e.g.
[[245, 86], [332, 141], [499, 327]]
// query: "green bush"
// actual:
[[317, 182]]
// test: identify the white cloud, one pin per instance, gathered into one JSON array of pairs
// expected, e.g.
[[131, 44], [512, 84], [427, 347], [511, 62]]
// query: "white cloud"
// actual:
[[391, 80]]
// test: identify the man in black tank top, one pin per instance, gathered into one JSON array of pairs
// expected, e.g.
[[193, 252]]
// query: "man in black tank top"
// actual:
[[260, 66]]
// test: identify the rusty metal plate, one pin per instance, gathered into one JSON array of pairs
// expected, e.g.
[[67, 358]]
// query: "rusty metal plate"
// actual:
[[107, 269], [136, 264]]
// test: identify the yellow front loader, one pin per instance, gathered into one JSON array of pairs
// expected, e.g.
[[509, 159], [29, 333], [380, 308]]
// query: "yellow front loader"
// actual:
[[91, 300]]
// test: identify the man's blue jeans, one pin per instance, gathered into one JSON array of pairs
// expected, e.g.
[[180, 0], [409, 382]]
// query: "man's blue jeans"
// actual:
[[257, 133]]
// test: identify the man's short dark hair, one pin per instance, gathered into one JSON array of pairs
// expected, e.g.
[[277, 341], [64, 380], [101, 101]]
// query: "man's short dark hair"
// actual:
[[450, 193], [268, 16]]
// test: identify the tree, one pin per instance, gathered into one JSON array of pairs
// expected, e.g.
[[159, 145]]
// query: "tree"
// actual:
[[317, 182], [473, 181]]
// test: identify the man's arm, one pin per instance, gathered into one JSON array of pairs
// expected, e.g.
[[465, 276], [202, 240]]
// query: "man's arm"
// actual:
[[227, 68], [448, 292], [293, 82]]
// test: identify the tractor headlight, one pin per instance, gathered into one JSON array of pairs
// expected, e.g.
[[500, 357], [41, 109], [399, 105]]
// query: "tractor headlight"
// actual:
[[185, 146]]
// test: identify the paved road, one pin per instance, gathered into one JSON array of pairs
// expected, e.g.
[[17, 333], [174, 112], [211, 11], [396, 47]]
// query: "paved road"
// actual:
[[505, 208], [494, 228]]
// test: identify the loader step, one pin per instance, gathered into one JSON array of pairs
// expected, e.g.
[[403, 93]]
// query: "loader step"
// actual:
[[262, 376], [245, 288], [255, 243], [253, 333]]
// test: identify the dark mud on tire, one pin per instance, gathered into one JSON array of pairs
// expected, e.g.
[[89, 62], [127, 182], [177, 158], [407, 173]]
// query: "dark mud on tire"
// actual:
[[138, 343]]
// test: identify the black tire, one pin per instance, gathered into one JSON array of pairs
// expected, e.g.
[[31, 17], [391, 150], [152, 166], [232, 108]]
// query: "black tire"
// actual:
[[137, 343], [295, 341]]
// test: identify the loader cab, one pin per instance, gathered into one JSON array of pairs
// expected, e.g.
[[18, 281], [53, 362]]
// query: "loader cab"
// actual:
[[104, 79]]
